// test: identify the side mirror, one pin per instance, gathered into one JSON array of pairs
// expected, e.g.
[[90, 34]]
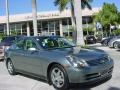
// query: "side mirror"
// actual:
[[32, 49]]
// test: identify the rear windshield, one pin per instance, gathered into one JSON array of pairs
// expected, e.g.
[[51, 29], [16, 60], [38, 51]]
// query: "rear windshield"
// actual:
[[8, 39]]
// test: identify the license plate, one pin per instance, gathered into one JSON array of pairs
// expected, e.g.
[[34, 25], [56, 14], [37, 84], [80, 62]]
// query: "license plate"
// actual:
[[104, 72]]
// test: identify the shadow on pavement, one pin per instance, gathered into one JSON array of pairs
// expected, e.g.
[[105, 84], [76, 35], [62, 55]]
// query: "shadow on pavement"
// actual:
[[90, 85], [118, 50], [114, 88], [80, 89], [1, 60]]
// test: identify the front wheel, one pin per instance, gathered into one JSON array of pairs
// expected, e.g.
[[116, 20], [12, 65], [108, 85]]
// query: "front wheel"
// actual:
[[59, 78], [10, 67]]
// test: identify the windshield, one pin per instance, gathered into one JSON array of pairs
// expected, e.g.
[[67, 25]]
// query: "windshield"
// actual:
[[54, 42]]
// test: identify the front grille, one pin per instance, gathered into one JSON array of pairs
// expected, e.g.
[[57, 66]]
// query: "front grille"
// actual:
[[99, 74], [98, 61]]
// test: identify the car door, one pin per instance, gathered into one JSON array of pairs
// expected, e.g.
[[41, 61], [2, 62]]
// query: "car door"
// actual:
[[18, 55], [32, 62]]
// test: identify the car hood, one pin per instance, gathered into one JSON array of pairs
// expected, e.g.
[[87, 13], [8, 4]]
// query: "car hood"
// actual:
[[86, 54]]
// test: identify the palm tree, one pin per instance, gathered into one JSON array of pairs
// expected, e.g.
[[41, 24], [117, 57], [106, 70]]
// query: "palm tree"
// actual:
[[78, 14], [34, 14], [82, 4], [7, 17]]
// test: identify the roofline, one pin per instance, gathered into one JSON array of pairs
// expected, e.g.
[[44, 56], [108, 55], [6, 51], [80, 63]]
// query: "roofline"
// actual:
[[46, 15]]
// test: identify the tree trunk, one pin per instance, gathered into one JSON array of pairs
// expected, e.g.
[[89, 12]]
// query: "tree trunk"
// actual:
[[34, 14], [73, 22], [7, 18], [78, 14]]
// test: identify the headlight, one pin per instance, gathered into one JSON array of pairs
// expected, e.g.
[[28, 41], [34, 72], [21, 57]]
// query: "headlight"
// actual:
[[75, 62], [109, 58]]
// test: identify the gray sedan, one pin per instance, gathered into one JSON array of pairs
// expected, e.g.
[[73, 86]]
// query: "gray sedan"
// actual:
[[58, 61]]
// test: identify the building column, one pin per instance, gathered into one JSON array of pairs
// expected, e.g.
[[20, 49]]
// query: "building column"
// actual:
[[68, 27], [48, 33], [28, 29], [54, 28], [61, 28], [4, 29], [21, 30]]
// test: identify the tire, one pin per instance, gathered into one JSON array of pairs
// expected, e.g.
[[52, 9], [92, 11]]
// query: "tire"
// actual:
[[115, 45], [104, 43], [58, 77], [10, 67]]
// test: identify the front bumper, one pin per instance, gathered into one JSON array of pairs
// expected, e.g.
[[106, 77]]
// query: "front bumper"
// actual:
[[90, 74]]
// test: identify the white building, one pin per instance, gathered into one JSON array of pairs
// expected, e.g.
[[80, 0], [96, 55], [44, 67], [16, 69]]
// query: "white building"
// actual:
[[52, 22]]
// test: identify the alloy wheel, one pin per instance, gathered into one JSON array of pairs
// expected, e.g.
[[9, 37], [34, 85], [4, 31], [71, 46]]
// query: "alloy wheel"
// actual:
[[57, 77], [10, 67]]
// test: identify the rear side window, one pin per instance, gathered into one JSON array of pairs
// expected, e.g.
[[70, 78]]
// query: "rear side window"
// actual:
[[30, 44], [20, 45]]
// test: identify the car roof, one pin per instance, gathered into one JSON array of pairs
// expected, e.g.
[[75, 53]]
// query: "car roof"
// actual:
[[41, 36]]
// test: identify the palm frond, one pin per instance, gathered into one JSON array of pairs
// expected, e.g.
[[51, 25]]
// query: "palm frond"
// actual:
[[61, 4], [86, 3]]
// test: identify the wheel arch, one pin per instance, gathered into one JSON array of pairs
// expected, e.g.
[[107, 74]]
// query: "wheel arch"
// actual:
[[48, 70], [115, 43]]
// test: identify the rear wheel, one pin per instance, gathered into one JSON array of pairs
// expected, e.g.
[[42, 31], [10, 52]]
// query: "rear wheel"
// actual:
[[58, 77], [10, 67], [115, 45]]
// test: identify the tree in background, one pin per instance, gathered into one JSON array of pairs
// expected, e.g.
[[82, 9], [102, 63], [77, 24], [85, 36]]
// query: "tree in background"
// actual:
[[62, 4], [119, 18], [108, 16]]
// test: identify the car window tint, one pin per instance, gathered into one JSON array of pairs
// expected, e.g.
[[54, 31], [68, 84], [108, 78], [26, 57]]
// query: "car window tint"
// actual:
[[50, 43], [20, 45], [30, 44]]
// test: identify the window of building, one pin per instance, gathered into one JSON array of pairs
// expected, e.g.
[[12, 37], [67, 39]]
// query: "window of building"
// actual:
[[18, 28], [1, 28], [39, 26], [24, 28], [45, 25], [51, 26], [64, 22], [57, 28]]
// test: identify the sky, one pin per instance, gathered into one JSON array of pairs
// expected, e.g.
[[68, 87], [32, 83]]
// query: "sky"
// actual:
[[24, 6]]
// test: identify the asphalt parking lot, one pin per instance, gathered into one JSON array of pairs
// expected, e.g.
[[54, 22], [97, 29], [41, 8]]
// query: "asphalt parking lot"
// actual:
[[21, 82]]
